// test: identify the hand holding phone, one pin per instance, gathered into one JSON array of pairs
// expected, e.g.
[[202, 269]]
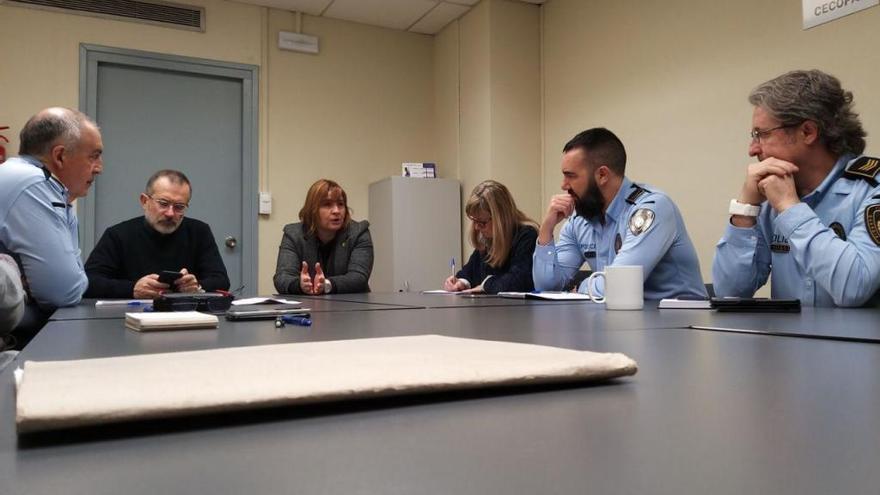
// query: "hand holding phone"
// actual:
[[168, 277]]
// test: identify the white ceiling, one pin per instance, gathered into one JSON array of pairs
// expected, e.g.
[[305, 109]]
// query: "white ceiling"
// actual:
[[418, 16]]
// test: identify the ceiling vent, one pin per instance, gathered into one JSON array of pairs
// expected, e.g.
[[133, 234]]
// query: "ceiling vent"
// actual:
[[145, 11]]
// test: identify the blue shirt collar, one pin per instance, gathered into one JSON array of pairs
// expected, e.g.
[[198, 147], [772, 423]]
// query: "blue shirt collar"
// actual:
[[54, 181], [835, 173], [619, 202]]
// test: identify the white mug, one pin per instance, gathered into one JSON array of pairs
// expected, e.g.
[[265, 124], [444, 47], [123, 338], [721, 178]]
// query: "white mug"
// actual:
[[624, 287]]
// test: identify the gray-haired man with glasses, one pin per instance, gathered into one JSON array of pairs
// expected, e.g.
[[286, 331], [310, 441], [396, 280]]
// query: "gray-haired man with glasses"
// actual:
[[809, 209], [129, 258]]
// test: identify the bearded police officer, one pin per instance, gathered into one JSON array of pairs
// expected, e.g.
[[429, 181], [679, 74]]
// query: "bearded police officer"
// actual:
[[615, 222], [809, 210]]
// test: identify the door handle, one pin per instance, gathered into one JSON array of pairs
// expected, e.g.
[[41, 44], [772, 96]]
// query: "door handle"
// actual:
[[231, 242]]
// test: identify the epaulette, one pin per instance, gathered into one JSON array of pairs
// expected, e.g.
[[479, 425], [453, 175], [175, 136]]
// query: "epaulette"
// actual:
[[864, 168], [639, 191]]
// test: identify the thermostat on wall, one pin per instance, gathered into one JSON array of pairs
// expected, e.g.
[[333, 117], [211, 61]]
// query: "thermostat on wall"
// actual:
[[265, 203]]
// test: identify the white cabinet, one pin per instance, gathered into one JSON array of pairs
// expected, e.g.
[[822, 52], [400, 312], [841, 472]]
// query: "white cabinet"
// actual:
[[416, 230]]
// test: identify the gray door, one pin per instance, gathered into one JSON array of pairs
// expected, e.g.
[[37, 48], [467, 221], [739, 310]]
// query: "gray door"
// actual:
[[193, 115]]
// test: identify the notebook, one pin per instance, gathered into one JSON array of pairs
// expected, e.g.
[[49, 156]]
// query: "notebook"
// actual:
[[177, 320], [685, 304]]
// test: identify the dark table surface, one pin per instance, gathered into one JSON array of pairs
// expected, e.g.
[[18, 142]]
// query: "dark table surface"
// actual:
[[418, 299], [707, 413], [87, 310]]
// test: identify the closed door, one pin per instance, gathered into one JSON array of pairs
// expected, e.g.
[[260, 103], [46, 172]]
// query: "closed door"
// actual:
[[172, 113]]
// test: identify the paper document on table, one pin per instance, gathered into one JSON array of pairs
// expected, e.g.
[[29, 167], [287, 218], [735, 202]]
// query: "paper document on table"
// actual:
[[63, 394], [263, 300], [549, 295], [440, 291]]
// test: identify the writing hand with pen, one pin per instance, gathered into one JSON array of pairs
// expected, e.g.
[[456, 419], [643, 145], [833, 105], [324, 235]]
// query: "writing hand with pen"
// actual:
[[453, 284], [319, 285]]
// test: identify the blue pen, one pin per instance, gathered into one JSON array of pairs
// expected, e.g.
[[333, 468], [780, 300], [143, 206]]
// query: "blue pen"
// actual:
[[134, 303], [296, 320]]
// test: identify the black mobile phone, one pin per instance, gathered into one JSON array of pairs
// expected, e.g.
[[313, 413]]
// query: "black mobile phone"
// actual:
[[168, 276]]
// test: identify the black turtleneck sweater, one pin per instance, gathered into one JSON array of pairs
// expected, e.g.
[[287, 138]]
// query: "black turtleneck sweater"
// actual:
[[129, 250]]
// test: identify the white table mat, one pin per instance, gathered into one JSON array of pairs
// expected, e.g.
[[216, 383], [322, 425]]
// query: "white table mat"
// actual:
[[61, 394]]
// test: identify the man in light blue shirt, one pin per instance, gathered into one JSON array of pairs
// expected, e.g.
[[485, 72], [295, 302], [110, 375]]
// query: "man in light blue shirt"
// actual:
[[616, 222], [809, 210], [59, 158]]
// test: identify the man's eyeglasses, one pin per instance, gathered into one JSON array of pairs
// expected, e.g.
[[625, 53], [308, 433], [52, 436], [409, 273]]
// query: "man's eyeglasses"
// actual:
[[165, 204], [759, 134], [480, 223]]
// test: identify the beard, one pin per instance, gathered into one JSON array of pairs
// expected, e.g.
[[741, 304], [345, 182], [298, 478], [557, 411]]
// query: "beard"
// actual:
[[591, 204], [164, 226]]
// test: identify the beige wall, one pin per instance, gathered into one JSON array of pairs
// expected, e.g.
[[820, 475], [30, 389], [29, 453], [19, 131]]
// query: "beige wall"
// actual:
[[40, 62], [671, 79], [353, 113], [490, 59]]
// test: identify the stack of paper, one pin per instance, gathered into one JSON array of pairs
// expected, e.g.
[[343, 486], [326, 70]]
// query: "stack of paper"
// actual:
[[173, 320]]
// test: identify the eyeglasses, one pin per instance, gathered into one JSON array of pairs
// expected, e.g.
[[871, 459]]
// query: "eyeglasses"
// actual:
[[480, 223], [165, 204], [759, 134]]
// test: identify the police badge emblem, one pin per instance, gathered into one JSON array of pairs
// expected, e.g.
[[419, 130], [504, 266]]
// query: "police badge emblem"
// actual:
[[641, 221], [872, 222]]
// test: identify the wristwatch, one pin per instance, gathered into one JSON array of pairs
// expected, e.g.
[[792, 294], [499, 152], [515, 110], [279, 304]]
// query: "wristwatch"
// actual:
[[327, 286], [743, 209]]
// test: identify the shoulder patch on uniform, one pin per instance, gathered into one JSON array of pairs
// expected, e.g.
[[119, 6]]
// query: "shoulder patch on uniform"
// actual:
[[865, 168], [838, 229], [640, 221], [872, 222], [636, 194]]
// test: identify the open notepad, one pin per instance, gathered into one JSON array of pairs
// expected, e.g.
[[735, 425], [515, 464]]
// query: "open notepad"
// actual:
[[172, 320], [553, 296]]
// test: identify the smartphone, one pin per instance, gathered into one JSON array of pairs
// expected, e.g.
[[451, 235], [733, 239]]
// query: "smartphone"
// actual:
[[168, 277]]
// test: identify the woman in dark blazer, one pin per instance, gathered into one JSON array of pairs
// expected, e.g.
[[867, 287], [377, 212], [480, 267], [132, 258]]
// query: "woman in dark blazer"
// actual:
[[326, 252], [504, 240]]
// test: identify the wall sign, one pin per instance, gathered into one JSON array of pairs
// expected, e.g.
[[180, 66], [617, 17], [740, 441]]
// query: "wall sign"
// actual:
[[821, 11]]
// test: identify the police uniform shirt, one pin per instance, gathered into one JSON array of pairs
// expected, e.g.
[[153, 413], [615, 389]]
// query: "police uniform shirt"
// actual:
[[642, 227], [39, 228], [824, 250]]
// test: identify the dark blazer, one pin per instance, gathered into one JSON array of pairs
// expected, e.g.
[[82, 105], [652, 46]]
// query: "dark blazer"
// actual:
[[348, 271], [514, 275]]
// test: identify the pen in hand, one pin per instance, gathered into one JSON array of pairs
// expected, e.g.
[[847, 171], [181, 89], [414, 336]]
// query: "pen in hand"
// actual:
[[452, 266]]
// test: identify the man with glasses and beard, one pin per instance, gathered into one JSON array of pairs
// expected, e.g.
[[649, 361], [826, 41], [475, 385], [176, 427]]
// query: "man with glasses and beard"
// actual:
[[809, 209], [128, 259], [616, 222]]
